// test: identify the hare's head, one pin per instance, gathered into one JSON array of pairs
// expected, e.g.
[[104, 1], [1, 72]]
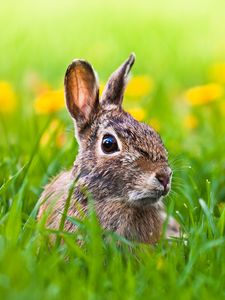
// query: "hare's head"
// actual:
[[119, 158]]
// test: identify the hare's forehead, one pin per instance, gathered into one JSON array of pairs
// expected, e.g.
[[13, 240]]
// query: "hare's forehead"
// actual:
[[143, 141], [129, 130]]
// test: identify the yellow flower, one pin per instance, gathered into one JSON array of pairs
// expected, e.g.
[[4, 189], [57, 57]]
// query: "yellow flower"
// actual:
[[54, 130], [139, 86], [154, 123], [7, 97], [49, 101], [190, 122], [138, 113], [60, 140], [217, 72], [101, 88], [204, 94]]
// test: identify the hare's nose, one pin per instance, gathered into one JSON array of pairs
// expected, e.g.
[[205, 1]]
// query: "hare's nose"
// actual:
[[164, 178]]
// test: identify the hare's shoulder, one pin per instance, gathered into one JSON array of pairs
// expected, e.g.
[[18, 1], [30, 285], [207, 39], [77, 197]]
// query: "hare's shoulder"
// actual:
[[55, 192], [58, 185]]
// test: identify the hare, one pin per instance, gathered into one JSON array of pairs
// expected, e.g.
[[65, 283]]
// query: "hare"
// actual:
[[121, 162]]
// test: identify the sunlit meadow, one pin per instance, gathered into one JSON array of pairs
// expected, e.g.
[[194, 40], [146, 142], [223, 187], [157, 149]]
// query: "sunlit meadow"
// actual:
[[177, 86]]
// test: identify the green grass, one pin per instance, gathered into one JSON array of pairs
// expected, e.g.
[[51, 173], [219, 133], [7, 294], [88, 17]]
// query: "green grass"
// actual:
[[175, 43]]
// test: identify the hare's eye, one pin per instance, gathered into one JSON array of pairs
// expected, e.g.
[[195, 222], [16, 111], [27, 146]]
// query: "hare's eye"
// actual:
[[109, 144]]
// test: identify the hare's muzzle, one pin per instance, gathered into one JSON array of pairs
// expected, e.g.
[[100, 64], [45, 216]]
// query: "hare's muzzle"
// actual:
[[164, 178]]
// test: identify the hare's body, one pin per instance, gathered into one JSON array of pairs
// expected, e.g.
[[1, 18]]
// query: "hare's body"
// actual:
[[139, 223], [122, 163]]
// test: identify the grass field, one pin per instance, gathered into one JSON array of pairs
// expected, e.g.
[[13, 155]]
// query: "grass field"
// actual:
[[177, 86]]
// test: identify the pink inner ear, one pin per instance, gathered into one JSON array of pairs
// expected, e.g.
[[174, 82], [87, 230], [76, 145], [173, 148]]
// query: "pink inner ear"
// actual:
[[82, 95], [81, 90], [84, 100]]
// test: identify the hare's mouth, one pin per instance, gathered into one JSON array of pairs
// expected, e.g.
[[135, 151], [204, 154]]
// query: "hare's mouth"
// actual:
[[140, 198]]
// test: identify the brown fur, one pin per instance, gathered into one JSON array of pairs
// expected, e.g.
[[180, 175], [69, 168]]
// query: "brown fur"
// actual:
[[126, 190], [137, 223]]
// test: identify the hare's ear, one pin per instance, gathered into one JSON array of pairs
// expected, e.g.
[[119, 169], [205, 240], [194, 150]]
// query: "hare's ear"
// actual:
[[81, 91], [114, 89]]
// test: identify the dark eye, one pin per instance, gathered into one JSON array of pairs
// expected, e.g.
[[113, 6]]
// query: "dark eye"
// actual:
[[109, 144]]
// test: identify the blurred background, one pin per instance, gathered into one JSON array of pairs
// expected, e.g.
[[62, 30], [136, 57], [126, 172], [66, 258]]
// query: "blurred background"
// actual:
[[170, 38], [177, 82], [177, 86]]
